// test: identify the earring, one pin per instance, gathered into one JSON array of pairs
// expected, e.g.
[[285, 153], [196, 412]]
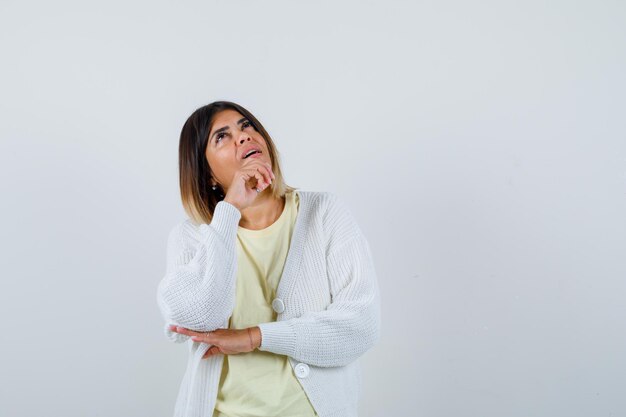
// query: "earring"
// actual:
[[214, 187]]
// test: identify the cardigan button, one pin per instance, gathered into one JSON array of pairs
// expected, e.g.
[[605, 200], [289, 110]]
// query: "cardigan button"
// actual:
[[302, 370], [278, 305]]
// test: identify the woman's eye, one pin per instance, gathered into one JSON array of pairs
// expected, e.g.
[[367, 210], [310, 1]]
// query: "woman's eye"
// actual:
[[222, 134]]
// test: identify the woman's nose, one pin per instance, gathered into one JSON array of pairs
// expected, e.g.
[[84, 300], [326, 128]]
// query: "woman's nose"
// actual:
[[244, 138]]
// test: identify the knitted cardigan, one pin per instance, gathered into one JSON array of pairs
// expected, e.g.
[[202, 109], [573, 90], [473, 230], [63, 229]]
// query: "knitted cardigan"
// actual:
[[330, 302]]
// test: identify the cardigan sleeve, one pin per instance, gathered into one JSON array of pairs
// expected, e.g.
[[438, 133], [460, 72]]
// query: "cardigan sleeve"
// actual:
[[349, 326], [197, 291]]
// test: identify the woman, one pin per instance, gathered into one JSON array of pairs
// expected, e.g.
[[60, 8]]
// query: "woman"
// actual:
[[273, 287]]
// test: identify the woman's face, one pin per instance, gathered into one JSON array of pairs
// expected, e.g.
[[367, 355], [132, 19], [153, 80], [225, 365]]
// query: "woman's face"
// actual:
[[230, 139]]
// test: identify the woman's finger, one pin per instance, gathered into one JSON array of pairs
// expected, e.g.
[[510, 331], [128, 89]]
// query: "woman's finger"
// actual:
[[176, 328], [261, 178], [269, 168], [264, 169], [261, 181], [198, 338], [187, 332], [213, 350]]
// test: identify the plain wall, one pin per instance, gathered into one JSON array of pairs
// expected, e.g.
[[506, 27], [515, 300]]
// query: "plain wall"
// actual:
[[480, 145]]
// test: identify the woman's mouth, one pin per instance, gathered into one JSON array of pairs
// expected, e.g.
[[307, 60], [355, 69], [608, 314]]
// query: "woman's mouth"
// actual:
[[252, 154]]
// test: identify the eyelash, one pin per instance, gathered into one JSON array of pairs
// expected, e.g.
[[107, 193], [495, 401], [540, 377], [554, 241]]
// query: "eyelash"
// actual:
[[219, 135]]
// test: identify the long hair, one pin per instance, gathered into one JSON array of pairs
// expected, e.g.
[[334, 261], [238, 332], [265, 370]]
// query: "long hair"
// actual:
[[198, 198]]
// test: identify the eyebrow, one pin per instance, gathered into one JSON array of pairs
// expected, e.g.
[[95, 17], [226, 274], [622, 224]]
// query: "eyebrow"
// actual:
[[221, 129]]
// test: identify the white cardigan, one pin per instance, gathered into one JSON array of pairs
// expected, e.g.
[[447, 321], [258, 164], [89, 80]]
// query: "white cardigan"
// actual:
[[327, 301]]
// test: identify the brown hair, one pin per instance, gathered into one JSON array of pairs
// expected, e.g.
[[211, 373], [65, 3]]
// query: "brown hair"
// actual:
[[198, 198]]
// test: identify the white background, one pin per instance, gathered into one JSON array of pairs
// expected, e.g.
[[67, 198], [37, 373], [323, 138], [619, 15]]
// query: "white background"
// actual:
[[480, 145]]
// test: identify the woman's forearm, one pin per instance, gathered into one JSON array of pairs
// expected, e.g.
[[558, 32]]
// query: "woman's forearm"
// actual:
[[197, 291]]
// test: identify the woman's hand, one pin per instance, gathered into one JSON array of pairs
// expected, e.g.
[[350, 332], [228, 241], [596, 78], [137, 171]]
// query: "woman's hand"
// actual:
[[225, 341], [255, 173]]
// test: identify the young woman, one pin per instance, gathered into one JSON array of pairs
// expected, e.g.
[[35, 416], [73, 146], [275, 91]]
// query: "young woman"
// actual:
[[273, 287]]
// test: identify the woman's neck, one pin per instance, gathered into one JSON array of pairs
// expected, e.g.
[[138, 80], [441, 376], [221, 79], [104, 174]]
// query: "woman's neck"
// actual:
[[263, 212]]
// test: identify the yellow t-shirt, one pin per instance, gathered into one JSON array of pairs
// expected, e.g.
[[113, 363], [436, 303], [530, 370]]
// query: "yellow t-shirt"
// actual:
[[259, 383]]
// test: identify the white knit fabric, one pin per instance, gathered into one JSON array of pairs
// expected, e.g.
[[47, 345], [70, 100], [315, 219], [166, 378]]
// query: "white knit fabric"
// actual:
[[329, 289]]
